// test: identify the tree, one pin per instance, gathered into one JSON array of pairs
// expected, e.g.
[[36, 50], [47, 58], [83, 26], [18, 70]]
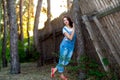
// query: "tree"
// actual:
[[35, 31], [15, 65], [4, 60], [36, 22], [28, 27], [0, 26], [49, 15], [0, 13], [76, 15], [21, 27], [68, 4]]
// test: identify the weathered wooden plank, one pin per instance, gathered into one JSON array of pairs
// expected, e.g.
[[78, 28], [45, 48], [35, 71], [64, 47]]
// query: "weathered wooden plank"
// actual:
[[48, 35], [108, 12], [110, 32], [107, 40], [94, 39]]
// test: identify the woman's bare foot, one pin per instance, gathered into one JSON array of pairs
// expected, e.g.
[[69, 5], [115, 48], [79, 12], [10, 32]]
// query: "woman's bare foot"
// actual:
[[63, 77]]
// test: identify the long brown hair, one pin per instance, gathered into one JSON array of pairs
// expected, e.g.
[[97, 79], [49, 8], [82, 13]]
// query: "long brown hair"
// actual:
[[70, 21]]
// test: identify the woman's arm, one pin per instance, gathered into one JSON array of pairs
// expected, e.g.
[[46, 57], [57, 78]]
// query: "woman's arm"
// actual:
[[70, 36]]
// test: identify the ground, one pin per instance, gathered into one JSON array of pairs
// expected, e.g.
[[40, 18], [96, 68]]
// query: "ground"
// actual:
[[29, 71]]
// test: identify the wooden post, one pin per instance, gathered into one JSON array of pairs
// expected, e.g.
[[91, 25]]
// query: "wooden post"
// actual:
[[94, 39], [108, 12], [113, 51]]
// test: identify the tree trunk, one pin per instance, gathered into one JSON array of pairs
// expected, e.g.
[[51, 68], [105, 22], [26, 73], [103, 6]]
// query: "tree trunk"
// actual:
[[4, 60], [28, 27], [15, 65], [0, 13], [28, 49], [35, 35], [21, 27], [36, 22], [49, 16], [76, 16], [0, 25], [0, 18], [68, 5]]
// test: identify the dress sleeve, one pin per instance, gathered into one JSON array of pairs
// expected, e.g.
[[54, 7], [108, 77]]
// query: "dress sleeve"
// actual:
[[63, 31]]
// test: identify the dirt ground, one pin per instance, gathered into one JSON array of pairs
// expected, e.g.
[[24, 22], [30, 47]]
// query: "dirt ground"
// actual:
[[29, 71]]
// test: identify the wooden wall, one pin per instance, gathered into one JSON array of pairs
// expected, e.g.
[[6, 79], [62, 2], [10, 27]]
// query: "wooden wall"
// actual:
[[93, 6], [50, 40], [110, 24]]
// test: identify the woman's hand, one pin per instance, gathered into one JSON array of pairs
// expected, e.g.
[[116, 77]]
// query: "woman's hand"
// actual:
[[73, 27]]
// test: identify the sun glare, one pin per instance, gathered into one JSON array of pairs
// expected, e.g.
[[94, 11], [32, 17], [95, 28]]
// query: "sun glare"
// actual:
[[57, 7]]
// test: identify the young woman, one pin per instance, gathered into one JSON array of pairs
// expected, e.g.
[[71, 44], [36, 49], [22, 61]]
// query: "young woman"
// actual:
[[66, 47]]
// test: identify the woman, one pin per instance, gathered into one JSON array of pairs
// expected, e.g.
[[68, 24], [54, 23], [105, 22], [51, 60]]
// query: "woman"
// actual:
[[66, 47]]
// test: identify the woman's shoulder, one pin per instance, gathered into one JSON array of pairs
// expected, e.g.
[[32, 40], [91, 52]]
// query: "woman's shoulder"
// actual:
[[64, 27]]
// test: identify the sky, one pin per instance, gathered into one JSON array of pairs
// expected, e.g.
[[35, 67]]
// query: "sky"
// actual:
[[57, 7]]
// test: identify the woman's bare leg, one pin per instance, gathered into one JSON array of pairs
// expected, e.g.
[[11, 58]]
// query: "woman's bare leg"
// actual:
[[53, 70], [63, 77]]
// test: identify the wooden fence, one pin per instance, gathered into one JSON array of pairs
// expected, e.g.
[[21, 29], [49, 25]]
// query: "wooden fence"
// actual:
[[102, 21]]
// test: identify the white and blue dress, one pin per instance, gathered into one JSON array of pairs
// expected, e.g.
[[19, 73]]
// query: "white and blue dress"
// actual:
[[66, 49]]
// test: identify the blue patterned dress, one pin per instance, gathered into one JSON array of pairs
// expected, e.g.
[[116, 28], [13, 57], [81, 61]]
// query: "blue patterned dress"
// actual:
[[66, 50]]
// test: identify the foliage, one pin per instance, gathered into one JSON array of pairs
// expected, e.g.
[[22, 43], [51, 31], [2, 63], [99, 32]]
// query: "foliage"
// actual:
[[105, 61], [27, 54], [92, 69], [7, 50], [113, 75], [25, 10], [22, 51]]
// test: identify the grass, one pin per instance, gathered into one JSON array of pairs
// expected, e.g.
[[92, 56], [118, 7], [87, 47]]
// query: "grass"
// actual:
[[29, 71]]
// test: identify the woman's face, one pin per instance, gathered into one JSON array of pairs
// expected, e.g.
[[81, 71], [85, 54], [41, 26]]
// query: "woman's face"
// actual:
[[66, 22]]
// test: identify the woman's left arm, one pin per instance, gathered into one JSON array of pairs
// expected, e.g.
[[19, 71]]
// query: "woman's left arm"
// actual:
[[70, 36]]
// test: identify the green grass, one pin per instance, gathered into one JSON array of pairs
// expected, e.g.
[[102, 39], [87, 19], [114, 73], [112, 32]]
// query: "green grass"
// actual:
[[29, 71]]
